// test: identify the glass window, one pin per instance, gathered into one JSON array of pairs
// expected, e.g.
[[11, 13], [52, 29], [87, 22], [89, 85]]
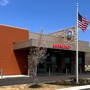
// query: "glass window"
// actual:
[[53, 59], [41, 66], [42, 60], [67, 60], [80, 61]]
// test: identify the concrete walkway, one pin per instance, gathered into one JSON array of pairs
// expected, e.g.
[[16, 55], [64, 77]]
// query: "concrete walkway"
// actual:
[[85, 87], [12, 76]]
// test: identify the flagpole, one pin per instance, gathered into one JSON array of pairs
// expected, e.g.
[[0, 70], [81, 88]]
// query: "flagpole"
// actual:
[[77, 48]]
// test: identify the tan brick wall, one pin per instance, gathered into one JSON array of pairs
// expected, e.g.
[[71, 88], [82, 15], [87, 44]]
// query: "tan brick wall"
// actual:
[[62, 34]]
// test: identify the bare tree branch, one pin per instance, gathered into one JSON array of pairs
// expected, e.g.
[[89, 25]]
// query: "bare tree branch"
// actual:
[[36, 53]]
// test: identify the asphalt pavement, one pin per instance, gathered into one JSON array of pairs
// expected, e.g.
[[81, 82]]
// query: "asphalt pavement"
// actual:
[[41, 78]]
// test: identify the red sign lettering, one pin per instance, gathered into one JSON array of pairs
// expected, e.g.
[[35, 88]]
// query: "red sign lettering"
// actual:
[[62, 46]]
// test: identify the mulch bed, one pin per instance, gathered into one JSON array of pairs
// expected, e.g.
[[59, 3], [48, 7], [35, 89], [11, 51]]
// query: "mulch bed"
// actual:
[[35, 86], [71, 82]]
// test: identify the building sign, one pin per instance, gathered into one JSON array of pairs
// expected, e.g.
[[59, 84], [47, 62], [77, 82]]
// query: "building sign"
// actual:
[[62, 46], [69, 34]]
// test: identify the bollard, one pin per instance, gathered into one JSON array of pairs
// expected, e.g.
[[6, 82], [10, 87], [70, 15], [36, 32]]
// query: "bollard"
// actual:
[[1, 73], [28, 72], [49, 72], [80, 71], [66, 71]]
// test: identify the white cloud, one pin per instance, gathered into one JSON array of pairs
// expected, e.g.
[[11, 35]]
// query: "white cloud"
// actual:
[[4, 2]]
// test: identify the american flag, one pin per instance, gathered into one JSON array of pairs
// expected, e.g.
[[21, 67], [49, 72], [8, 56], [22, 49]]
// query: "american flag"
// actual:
[[82, 22]]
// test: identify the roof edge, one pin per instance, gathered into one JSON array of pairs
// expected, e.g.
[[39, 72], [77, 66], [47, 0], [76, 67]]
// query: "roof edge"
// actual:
[[13, 26], [62, 29]]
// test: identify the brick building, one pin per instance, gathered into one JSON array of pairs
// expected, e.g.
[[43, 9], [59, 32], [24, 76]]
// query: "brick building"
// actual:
[[15, 45]]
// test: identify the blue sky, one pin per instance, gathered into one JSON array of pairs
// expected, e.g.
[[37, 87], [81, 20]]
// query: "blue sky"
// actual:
[[52, 15]]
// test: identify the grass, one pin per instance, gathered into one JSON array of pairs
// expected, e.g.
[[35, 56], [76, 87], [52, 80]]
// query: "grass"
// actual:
[[28, 87]]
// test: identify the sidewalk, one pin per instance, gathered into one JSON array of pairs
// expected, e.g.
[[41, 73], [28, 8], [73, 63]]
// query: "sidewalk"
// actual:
[[12, 76], [85, 87]]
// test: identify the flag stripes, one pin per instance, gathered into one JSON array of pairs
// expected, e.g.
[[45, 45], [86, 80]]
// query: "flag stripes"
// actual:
[[82, 23]]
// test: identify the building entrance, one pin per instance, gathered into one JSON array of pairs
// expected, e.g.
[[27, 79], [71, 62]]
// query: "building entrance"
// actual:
[[59, 61], [51, 63], [67, 65], [51, 66], [48, 64]]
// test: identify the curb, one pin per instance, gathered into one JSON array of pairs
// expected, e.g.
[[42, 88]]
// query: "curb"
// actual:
[[76, 88]]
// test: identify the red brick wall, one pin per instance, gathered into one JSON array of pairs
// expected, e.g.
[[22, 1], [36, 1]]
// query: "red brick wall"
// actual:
[[12, 62]]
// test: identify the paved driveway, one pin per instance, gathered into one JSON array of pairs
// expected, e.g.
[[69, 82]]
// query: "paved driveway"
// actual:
[[27, 80]]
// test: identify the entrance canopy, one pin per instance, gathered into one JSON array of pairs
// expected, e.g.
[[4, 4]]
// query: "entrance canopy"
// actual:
[[33, 42]]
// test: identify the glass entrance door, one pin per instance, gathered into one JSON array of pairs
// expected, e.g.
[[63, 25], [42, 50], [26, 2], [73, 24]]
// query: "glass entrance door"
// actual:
[[51, 66], [51, 63], [41, 66], [48, 66], [68, 64], [54, 67]]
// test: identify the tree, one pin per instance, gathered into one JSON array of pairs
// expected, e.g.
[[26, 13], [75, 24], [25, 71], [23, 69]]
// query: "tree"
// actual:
[[36, 53]]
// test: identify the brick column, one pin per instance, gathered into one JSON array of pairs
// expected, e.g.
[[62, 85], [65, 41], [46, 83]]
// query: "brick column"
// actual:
[[73, 63], [83, 62], [61, 63]]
